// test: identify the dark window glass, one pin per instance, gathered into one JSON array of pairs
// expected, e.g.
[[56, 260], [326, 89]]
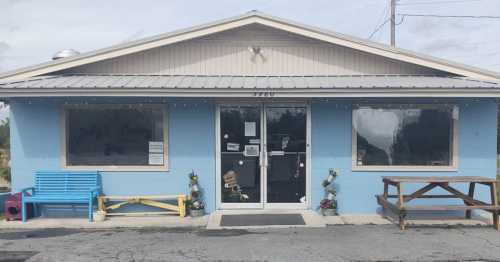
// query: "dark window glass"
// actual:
[[121, 135], [286, 149], [240, 172], [404, 137]]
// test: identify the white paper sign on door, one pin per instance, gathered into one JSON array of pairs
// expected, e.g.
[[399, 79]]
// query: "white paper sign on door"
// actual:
[[251, 150], [233, 147], [250, 128]]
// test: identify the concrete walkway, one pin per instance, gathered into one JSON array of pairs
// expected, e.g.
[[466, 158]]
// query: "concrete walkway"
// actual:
[[311, 218], [113, 222]]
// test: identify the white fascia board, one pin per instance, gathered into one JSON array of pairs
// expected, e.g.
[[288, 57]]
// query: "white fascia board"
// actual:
[[255, 93]]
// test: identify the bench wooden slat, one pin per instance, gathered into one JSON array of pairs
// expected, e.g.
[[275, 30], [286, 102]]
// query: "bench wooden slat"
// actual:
[[438, 179], [157, 197], [63, 187], [449, 207], [424, 196], [148, 200]]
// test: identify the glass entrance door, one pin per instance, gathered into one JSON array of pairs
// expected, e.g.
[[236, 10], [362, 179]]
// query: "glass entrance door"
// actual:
[[286, 143], [263, 156], [240, 159]]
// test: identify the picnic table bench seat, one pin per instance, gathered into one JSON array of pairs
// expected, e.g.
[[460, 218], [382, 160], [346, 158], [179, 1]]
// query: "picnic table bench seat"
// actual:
[[470, 203], [62, 187]]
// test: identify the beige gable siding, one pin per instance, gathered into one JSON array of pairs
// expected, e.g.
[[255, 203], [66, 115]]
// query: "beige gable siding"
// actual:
[[227, 53]]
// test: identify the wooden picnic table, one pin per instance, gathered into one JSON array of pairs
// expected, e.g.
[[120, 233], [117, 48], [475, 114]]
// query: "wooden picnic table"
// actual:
[[400, 207]]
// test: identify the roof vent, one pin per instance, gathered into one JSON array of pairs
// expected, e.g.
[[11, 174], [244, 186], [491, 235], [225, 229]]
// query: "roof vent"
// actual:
[[65, 53]]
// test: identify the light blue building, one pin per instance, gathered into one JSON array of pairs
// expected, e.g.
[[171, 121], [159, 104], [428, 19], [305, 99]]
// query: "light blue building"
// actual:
[[271, 103]]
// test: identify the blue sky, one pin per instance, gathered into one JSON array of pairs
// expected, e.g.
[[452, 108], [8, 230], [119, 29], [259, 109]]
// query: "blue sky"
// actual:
[[32, 31]]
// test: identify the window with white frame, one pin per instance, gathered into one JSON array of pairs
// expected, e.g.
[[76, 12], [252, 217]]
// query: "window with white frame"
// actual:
[[404, 136], [115, 136]]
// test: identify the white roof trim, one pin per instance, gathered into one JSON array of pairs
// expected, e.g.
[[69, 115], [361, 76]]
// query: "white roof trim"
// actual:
[[243, 93], [253, 17]]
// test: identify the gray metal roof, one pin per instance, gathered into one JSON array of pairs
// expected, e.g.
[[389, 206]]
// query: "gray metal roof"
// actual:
[[247, 82]]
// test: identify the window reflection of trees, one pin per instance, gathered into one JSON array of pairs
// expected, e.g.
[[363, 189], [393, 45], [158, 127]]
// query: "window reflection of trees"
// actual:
[[283, 122]]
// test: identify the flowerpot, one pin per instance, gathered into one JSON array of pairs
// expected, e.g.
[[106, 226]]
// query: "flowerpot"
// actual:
[[99, 216], [196, 212], [329, 211]]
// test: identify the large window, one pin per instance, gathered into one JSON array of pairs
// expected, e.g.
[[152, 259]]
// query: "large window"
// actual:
[[404, 137], [114, 136]]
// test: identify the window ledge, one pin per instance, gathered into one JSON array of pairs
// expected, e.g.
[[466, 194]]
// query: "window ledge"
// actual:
[[404, 169], [119, 168]]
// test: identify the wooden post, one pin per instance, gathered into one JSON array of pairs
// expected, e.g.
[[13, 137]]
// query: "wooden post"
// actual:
[[400, 205], [393, 23], [494, 203], [181, 202], [472, 186], [100, 204], [386, 190]]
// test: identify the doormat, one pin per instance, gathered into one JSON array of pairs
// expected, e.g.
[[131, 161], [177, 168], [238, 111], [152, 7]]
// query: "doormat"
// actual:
[[262, 220]]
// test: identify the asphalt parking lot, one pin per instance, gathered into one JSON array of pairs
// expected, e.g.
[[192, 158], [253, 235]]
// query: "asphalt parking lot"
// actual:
[[334, 243]]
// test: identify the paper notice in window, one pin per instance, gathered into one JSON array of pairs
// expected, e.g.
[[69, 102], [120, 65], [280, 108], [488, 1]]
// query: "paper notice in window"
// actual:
[[251, 150], [155, 147], [250, 128], [233, 147], [254, 141], [156, 159]]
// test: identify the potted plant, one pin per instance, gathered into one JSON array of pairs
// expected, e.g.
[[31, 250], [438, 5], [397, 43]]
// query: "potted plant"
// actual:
[[196, 209], [99, 216], [328, 205], [194, 204]]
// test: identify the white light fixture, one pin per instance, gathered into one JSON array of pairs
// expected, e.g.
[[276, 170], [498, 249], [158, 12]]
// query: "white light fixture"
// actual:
[[255, 50]]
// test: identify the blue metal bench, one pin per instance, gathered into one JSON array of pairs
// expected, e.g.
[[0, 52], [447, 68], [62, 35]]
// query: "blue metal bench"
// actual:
[[62, 187]]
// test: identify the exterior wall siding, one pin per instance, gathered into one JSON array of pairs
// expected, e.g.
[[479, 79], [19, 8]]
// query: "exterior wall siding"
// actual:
[[227, 53], [35, 129], [331, 148]]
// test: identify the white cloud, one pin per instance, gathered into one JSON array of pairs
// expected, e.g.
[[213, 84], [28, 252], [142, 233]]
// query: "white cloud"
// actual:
[[35, 30]]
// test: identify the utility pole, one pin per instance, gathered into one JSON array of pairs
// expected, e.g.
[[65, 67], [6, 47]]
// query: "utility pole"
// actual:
[[393, 23]]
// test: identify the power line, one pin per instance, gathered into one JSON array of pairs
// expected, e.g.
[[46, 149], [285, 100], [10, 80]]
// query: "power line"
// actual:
[[380, 23], [452, 16], [378, 28]]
